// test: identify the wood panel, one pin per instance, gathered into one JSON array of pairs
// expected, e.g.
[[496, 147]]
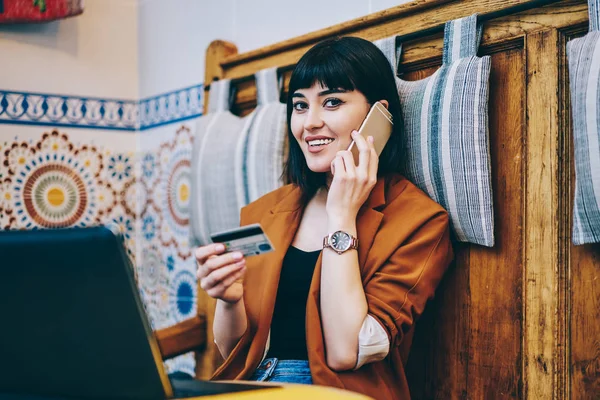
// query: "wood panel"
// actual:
[[585, 325], [541, 212], [186, 336], [495, 275]]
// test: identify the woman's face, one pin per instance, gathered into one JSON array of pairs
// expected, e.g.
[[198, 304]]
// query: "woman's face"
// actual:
[[322, 121]]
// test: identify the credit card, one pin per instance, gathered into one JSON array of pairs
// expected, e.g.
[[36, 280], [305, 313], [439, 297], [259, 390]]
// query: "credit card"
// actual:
[[250, 240]]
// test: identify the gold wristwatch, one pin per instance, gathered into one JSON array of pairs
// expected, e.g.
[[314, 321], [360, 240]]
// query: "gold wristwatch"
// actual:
[[340, 241]]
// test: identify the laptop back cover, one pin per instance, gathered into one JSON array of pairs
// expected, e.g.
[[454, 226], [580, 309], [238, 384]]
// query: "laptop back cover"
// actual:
[[71, 318]]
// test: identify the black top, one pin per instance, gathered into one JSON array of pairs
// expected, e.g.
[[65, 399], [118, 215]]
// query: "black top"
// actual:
[[288, 327]]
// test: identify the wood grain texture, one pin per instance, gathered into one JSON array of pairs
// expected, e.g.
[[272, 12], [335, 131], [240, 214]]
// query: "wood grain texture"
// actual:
[[495, 275], [585, 325], [185, 336], [216, 52], [565, 211], [541, 209]]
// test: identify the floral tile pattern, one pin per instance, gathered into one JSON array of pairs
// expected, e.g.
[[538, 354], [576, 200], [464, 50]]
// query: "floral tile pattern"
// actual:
[[53, 181], [168, 279], [172, 197]]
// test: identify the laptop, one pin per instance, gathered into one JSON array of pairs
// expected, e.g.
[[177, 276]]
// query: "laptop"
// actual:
[[73, 324]]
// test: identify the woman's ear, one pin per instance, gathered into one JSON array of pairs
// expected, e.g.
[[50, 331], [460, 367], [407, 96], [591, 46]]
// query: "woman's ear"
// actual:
[[385, 103]]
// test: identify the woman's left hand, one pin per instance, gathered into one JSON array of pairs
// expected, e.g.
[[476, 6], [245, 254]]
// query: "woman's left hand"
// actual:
[[352, 183]]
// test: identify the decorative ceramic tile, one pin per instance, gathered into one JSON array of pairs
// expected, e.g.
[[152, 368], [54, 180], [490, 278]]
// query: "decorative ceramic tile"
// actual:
[[55, 110], [185, 363], [171, 107], [154, 284], [183, 294], [167, 272], [172, 195], [67, 111], [54, 183]]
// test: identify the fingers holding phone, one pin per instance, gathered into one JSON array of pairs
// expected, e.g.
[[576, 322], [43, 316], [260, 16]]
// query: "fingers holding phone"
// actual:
[[368, 160], [220, 273]]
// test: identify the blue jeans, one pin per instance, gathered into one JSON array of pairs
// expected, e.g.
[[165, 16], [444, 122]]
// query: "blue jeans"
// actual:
[[288, 371]]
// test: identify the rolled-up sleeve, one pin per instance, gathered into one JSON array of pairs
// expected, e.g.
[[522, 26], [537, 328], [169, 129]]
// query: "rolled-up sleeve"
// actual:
[[373, 342], [398, 292]]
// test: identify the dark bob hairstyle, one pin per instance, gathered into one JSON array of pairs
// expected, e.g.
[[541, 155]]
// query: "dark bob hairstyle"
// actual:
[[348, 63]]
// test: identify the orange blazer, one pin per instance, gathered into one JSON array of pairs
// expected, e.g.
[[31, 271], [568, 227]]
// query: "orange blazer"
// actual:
[[404, 249]]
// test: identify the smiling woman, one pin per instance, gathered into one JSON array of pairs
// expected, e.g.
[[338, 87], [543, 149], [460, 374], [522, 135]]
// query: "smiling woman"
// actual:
[[322, 120], [359, 249], [331, 91]]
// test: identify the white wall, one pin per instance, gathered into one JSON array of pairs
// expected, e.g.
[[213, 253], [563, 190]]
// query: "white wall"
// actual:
[[174, 36], [93, 54], [262, 22]]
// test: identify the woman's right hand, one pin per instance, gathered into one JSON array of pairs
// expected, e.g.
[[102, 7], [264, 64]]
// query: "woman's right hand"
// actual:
[[221, 275]]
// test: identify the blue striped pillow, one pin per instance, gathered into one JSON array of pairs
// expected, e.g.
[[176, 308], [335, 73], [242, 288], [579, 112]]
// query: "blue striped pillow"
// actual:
[[584, 75], [446, 131]]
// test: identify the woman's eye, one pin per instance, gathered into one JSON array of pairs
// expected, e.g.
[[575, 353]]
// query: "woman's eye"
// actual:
[[300, 106], [332, 103]]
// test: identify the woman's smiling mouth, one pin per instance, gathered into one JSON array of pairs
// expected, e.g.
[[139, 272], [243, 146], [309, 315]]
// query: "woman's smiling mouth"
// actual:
[[318, 143]]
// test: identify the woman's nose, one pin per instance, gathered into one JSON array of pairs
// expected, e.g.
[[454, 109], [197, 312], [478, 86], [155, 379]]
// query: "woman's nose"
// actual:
[[313, 120]]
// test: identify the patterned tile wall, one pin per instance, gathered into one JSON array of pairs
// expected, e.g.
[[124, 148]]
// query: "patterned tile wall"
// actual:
[[167, 279], [55, 182], [61, 173]]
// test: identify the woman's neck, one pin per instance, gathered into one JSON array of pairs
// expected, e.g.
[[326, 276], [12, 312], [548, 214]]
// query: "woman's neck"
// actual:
[[320, 196]]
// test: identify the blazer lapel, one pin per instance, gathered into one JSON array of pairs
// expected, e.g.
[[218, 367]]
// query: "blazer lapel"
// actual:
[[368, 220]]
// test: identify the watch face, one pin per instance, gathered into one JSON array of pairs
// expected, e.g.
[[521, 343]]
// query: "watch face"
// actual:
[[340, 241]]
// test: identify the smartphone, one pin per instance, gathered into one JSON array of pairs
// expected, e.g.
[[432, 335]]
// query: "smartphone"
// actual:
[[250, 240], [378, 123]]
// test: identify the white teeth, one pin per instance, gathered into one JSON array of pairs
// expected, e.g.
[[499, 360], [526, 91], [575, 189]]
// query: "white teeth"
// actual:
[[319, 142]]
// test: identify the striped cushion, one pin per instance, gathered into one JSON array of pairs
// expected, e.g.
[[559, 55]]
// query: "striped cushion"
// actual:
[[584, 77], [235, 160], [213, 202], [446, 131], [260, 151]]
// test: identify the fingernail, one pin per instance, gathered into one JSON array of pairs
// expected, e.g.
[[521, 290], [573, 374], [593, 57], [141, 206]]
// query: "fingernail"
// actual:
[[219, 247], [354, 132], [237, 256], [370, 139]]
